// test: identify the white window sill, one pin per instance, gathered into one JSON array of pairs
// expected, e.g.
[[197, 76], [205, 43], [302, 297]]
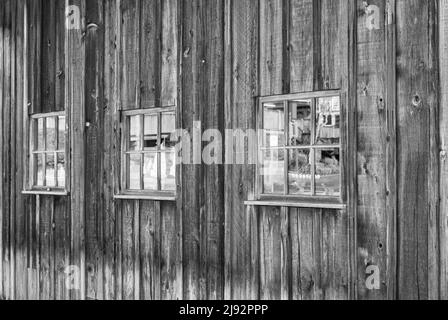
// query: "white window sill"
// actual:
[[296, 204]]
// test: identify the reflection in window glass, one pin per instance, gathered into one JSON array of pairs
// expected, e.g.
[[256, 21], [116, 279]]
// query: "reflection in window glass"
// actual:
[[150, 171], [38, 160], [328, 172], [134, 133], [134, 172], [61, 170], [300, 123], [327, 121], [273, 125], [273, 171], [151, 128], [168, 129], [40, 134], [61, 133], [299, 172], [51, 134], [168, 174], [49, 171]]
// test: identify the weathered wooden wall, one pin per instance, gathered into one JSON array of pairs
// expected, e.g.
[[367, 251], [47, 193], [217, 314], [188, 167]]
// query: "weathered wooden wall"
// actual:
[[212, 59]]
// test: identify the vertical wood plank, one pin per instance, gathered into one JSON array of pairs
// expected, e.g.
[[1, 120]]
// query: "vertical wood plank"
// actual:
[[111, 143], [76, 55], [241, 252], [417, 106], [129, 56], [94, 145], [443, 52], [372, 140]]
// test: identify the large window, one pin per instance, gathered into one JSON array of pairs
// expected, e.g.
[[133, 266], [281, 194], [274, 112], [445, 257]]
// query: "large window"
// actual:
[[300, 146], [148, 152], [48, 153]]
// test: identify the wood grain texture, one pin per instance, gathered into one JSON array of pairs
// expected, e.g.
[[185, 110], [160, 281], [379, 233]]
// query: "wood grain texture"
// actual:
[[212, 59]]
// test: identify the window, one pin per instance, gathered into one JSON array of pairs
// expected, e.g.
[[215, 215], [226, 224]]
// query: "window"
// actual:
[[48, 153], [148, 152], [300, 146]]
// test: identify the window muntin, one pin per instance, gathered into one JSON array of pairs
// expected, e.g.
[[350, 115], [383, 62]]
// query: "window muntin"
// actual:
[[149, 152], [48, 156], [307, 163]]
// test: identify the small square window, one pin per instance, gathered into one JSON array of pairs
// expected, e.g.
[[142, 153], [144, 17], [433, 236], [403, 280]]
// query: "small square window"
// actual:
[[47, 153], [148, 153], [300, 146]]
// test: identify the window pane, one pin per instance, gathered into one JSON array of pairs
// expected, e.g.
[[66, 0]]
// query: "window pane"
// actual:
[[49, 171], [168, 173], [40, 134], [299, 172], [133, 176], [150, 170], [38, 160], [273, 125], [273, 171], [300, 123], [328, 172], [168, 129], [151, 125], [328, 111], [135, 131], [61, 134], [51, 134], [61, 170]]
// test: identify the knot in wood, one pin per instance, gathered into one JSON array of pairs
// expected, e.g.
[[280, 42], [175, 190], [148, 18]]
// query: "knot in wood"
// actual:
[[417, 101]]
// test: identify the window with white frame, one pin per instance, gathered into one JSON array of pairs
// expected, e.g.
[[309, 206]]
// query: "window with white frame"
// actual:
[[300, 146], [148, 152], [48, 152]]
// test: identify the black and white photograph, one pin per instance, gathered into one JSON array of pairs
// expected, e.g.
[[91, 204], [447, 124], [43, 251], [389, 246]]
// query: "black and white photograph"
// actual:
[[222, 155]]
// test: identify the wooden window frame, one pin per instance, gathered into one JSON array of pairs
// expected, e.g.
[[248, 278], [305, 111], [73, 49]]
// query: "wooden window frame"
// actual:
[[308, 201], [30, 184], [154, 195]]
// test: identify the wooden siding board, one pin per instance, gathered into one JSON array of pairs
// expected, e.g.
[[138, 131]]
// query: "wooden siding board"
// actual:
[[48, 58], [416, 108], [168, 53], [6, 136], [2, 124], [129, 56], [94, 145], [20, 246], [76, 56], [150, 251], [241, 87], [150, 38], [443, 63], [128, 244], [110, 144], [371, 151]]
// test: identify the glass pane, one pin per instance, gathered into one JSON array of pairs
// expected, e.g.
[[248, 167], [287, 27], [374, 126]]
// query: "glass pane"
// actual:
[[299, 172], [150, 170], [151, 125], [61, 170], [133, 174], [61, 134], [49, 171], [38, 160], [135, 131], [40, 134], [273, 171], [273, 125], [168, 167], [328, 111], [300, 123], [51, 134], [328, 172], [168, 129]]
